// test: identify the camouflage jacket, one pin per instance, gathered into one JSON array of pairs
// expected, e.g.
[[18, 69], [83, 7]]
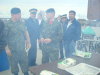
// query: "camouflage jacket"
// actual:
[[15, 31], [53, 31]]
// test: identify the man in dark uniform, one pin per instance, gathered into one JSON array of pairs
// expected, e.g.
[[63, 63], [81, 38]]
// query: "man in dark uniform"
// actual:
[[33, 29]]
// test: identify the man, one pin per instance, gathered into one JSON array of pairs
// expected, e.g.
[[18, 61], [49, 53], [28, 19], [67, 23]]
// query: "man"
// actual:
[[4, 65], [33, 29], [40, 18], [72, 33], [51, 35], [63, 21], [17, 35]]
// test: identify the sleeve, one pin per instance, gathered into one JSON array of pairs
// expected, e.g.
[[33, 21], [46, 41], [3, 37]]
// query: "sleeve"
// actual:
[[3, 36], [6, 32], [3, 41], [78, 31], [38, 29], [24, 26]]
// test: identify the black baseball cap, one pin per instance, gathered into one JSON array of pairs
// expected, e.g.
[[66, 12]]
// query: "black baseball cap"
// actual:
[[15, 10], [33, 11]]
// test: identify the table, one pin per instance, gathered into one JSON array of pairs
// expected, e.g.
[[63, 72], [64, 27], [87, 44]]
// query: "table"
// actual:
[[95, 61]]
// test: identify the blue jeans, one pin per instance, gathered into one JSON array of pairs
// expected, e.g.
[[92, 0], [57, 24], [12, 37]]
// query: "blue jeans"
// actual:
[[69, 48], [61, 50]]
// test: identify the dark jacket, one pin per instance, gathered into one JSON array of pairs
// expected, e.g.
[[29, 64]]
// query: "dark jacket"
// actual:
[[4, 64], [73, 32], [2, 37], [33, 28]]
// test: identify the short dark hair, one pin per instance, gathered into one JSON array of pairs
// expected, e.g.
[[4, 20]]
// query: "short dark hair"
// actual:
[[15, 10], [32, 9], [72, 11], [50, 10]]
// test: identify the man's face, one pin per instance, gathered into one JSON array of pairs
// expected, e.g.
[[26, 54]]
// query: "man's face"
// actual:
[[50, 15], [33, 14], [71, 16], [39, 17], [16, 17]]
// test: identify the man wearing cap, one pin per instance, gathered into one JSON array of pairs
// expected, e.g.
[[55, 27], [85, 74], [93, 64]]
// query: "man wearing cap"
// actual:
[[63, 21], [33, 29], [17, 36], [51, 35]]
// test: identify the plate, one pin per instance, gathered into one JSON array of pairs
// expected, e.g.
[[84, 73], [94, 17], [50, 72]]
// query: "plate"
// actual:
[[83, 54]]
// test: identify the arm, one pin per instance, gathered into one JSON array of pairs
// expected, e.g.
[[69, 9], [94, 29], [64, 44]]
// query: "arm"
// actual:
[[28, 44], [5, 40], [8, 51], [78, 31]]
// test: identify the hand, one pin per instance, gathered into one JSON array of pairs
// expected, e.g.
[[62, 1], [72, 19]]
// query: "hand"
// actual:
[[8, 52], [28, 45], [47, 40], [41, 40]]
